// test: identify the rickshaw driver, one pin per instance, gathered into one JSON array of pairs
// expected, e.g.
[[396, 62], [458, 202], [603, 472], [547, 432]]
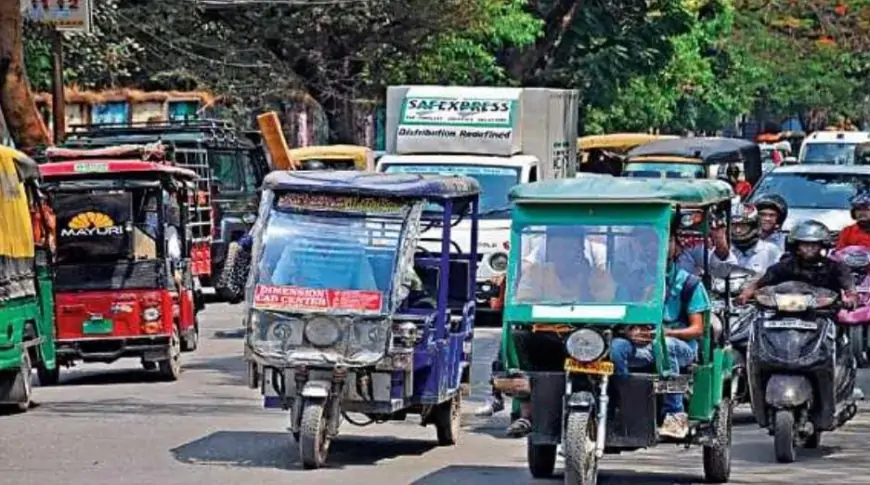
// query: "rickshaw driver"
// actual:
[[686, 301]]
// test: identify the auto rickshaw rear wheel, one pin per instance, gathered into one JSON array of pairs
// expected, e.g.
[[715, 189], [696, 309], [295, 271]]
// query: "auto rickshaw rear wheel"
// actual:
[[581, 464], [313, 439], [541, 459], [717, 458], [783, 436], [170, 368], [22, 384], [448, 420]]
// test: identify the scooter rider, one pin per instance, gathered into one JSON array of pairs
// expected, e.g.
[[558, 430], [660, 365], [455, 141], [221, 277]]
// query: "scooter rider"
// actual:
[[772, 212], [857, 234]]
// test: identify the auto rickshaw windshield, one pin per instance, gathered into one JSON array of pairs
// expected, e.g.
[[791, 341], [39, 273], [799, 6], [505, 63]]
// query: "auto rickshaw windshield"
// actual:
[[581, 264]]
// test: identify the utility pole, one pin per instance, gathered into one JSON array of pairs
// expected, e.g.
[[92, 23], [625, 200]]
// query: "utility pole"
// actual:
[[58, 100]]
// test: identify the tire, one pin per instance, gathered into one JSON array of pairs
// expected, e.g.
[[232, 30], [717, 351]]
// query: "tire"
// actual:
[[717, 458], [448, 420], [21, 391], [783, 436], [192, 343], [313, 440], [857, 346], [170, 369], [149, 365], [814, 440], [581, 464], [47, 377], [541, 459]]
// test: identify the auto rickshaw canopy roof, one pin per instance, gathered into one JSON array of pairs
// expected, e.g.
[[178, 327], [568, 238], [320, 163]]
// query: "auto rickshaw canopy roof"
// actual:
[[328, 152], [616, 190], [619, 140], [16, 230], [352, 182], [709, 150]]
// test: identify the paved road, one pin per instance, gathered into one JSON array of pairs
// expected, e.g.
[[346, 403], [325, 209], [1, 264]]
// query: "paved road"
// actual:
[[115, 425]]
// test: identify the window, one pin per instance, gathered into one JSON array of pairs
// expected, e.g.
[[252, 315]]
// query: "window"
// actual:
[[227, 171], [813, 190]]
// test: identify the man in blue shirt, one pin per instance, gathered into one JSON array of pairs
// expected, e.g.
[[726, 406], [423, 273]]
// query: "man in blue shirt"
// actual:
[[686, 301]]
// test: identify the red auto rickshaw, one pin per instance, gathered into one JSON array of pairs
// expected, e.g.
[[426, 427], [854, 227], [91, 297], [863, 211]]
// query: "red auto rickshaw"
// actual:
[[124, 282]]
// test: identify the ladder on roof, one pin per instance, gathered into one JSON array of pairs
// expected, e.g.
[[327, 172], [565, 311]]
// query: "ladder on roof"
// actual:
[[201, 210]]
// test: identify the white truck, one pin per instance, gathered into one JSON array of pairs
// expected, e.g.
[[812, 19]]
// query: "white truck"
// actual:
[[499, 136], [832, 147]]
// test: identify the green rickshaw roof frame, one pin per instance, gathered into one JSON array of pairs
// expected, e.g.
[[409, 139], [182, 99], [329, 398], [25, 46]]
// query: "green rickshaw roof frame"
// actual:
[[619, 190]]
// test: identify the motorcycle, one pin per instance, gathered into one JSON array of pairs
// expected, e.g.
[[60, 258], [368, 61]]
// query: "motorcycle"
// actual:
[[800, 368], [857, 258], [724, 289]]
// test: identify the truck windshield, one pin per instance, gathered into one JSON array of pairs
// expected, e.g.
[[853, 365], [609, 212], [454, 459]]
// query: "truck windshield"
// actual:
[[669, 170], [330, 251], [495, 182], [829, 153], [588, 264]]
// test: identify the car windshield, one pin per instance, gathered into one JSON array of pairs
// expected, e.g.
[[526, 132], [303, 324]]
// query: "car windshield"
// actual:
[[813, 190], [829, 153], [669, 170], [495, 182], [351, 256], [588, 264]]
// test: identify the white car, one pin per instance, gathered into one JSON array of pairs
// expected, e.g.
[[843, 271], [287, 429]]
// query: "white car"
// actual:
[[831, 147], [819, 192]]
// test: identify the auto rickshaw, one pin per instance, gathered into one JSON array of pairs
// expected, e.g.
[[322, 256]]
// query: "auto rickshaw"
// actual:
[[576, 397], [347, 313], [702, 157], [26, 310], [123, 280], [334, 157], [611, 147]]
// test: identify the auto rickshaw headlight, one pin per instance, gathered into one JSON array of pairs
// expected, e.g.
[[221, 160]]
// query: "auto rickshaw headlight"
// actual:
[[151, 314], [498, 262], [586, 345], [322, 331]]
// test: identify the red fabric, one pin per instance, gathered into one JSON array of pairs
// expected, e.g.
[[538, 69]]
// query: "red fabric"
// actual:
[[777, 158], [853, 236], [742, 188]]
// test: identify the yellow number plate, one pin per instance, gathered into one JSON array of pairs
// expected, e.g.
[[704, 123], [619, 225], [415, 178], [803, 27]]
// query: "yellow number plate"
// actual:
[[601, 367]]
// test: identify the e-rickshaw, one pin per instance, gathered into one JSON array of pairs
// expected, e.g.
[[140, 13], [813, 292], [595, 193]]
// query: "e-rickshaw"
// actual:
[[123, 280], [576, 397], [595, 151], [26, 310], [346, 312], [333, 157], [703, 157]]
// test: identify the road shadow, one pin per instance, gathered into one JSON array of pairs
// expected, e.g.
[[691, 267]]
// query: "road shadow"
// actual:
[[260, 449], [475, 474], [108, 377], [229, 334], [126, 407], [232, 369]]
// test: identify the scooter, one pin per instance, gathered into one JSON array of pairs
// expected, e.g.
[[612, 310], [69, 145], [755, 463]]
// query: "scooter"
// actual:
[[801, 369], [727, 284], [857, 258]]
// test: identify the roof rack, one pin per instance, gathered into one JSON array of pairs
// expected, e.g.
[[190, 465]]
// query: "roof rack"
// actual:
[[190, 125], [153, 152]]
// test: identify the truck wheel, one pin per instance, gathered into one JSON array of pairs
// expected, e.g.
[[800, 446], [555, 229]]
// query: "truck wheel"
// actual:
[[48, 377], [541, 459], [581, 464], [783, 436], [717, 458], [170, 368], [447, 420], [22, 386], [313, 439], [191, 343]]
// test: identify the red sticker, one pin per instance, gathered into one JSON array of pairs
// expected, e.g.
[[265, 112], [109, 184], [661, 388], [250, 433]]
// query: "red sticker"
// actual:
[[299, 298]]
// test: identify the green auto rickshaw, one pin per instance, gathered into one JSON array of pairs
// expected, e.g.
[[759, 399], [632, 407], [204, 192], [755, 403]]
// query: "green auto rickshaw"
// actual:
[[617, 232]]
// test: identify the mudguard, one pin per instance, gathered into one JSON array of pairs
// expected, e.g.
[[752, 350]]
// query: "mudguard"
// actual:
[[787, 391], [583, 400], [316, 389]]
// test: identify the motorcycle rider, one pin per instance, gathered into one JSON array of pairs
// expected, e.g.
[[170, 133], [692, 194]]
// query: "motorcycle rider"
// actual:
[[772, 212], [857, 234]]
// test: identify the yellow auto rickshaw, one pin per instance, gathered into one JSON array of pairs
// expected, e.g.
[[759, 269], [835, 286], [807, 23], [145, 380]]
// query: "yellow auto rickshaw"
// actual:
[[603, 153], [333, 157]]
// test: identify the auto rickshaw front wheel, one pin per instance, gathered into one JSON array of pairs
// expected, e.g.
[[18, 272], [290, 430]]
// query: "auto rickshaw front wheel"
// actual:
[[717, 457], [541, 459], [447, 420], [581, 463], [313, 438]]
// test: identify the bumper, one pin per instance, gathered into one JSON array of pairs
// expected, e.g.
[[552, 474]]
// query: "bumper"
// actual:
[[484, 293], [151, 347]]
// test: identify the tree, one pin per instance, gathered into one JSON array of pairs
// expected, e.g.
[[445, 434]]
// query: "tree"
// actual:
[[16, 100]]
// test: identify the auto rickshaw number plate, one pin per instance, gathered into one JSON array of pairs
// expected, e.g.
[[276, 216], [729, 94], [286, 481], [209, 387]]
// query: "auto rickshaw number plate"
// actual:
[[601, 367], [97, 326]]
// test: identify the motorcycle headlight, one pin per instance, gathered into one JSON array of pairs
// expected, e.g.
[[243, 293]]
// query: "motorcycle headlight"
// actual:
[[322, 331], [586, 345], [498, 262]]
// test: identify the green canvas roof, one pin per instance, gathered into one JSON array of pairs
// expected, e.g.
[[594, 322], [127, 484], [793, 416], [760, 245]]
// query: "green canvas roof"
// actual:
[[608, 190]]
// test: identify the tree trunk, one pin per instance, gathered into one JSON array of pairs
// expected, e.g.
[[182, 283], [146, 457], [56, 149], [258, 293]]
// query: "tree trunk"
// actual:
[[557, 21], [16, 100]]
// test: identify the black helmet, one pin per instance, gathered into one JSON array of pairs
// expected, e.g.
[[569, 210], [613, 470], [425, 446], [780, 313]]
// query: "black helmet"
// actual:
[[862, 199], [744, 214], [775, 202], [810, 231]]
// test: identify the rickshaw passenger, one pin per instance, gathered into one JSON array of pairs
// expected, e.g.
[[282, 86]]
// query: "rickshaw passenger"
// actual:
[[311, 265], [686, 301], [172, 219], [559, 265]]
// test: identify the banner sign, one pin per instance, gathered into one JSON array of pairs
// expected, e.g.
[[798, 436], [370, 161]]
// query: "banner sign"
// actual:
[[270, 297], [66, 15]]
